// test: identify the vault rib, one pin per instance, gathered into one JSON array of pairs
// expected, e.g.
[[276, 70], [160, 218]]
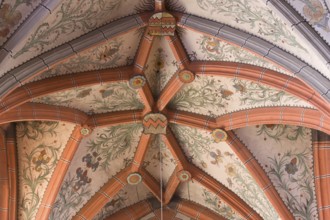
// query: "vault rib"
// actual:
[[55, 84], [103, 196], [259, 175], [59, 174], [265, 115]]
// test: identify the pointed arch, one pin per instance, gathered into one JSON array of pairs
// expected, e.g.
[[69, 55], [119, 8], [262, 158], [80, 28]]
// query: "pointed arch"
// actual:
[[267, 115]]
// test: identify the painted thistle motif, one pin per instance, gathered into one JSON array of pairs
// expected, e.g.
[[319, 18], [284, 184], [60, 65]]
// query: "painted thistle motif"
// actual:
[[218, 206], [69, 200], [96, 99], [114, 142], [36, 130], [39, 155], [282, 132], [255, 16], [245, 186], [252, 93], [213, 95], [37, 166], [108, 55], [215, 49], [294, 182], [195, 143], [214, 159], [208, 92]]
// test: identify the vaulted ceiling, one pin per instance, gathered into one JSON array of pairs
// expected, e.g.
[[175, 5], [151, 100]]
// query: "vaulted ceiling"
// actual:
[[165, 109]]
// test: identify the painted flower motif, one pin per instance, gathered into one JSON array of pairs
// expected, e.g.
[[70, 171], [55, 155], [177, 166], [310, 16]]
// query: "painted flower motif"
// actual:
[[240, 87], [8, 19], [108, 53], [42, 159], [314, 10], [225, 93], [204, 165], [217, 157], [231, 169], [291, 168], [212, 45]]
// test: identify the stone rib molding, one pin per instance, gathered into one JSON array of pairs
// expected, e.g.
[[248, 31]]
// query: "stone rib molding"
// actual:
[[185, 207], [258, 74], [40, 112], [133, 212], [309, 118], [4, 177], [38, 14], [261, 47], [55, 84], [103, 196], [224, 193], [12, 171], [302, 26], [59, 173], [140, 152], [321, 151], [35, 66], [259, 175]]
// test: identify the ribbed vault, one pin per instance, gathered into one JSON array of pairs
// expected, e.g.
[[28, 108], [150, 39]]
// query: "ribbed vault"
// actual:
[[164, 110]]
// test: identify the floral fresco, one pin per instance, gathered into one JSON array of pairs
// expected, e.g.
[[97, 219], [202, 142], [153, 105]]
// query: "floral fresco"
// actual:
[[99, 157], [285, 153], [194, 192], [257, 18], [128, 196], [96, 99], [12, 12], [159, 161], [202, 47], [216, 96], [71, 19], [160, 66], [41, 146], [113, 53], [215, 158], [316, 13]]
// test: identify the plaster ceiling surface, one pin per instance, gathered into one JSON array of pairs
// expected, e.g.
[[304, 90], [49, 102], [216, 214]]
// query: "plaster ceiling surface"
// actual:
[[215, 96], [256, 18], [158, 151], [42, 144], [202, 47], [219, 158], [116, 52], [316, 13], [68, 20], [12, 14], [289, 168], [96, 99], [129, 195], [196, 193], [163, 120], [100, 156]]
